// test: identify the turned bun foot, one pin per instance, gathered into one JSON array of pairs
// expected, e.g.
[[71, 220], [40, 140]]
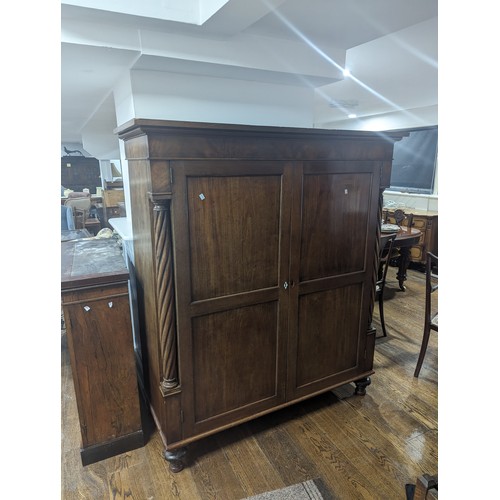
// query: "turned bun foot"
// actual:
[[361, 386], [175, 458]]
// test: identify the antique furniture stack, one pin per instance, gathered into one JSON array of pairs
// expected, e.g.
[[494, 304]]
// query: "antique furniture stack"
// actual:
[[256, 252]]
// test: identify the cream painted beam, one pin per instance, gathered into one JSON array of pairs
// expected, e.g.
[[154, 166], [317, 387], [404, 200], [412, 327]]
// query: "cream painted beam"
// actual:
[[251, 52], [237, 15], [184, 11]]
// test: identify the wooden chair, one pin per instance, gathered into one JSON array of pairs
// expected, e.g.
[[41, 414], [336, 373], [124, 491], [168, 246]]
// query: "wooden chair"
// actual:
[[431, 313], [400, 216], [81, 208], [385, 253]]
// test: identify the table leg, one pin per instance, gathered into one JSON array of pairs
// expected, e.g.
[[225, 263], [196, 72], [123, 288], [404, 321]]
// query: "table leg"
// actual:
[[404, 261]]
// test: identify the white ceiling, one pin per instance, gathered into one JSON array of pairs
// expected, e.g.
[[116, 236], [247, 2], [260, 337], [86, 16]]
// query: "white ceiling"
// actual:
[[390, 47]]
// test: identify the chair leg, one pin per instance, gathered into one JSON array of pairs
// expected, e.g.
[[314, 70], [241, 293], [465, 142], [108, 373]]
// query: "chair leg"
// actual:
[[381, 309], [423, 349]]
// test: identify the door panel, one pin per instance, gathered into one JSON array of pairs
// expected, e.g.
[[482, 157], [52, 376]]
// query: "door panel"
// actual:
[[231, 244], [234, 359], [333, 210], [241, 213], [334, 222], [327, 334]]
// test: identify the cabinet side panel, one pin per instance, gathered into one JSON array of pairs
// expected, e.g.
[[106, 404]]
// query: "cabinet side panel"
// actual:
[[140, 185]]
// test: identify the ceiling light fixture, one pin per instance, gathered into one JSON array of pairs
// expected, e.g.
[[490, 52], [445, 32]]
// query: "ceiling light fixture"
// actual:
[[346, 72]]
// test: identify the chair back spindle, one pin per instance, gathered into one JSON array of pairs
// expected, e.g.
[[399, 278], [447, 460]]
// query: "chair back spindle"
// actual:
[[400, 216], [431, 308], [385, 254]]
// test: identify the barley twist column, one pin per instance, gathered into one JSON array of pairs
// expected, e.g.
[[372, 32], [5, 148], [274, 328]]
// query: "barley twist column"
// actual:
[[165, 296]]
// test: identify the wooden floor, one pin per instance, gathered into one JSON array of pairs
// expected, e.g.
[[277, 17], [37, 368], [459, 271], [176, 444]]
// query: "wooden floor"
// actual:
[[360, 446]]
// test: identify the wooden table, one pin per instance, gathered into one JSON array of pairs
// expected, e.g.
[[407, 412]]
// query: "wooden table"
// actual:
[[405, 239], [427, 222]]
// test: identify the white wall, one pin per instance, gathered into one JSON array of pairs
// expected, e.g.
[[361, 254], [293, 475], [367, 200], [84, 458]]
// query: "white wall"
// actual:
[[173, 96], [124, 100], [406, 201], [199, 98]]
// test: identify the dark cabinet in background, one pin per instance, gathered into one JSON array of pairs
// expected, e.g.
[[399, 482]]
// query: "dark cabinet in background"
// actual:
[[80, 172], [256, 253]]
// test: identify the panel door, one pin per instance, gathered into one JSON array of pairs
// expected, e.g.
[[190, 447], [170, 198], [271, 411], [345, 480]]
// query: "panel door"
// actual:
[[231, 242], [333, 243]]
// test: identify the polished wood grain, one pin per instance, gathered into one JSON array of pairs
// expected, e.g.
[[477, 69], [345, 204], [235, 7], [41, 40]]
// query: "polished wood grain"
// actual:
[[241, 212], [336, 209], [218, 140], [252, 233], [365, 447]]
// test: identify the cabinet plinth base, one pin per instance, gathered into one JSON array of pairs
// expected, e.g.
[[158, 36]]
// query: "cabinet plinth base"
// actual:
[[98, 452]]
